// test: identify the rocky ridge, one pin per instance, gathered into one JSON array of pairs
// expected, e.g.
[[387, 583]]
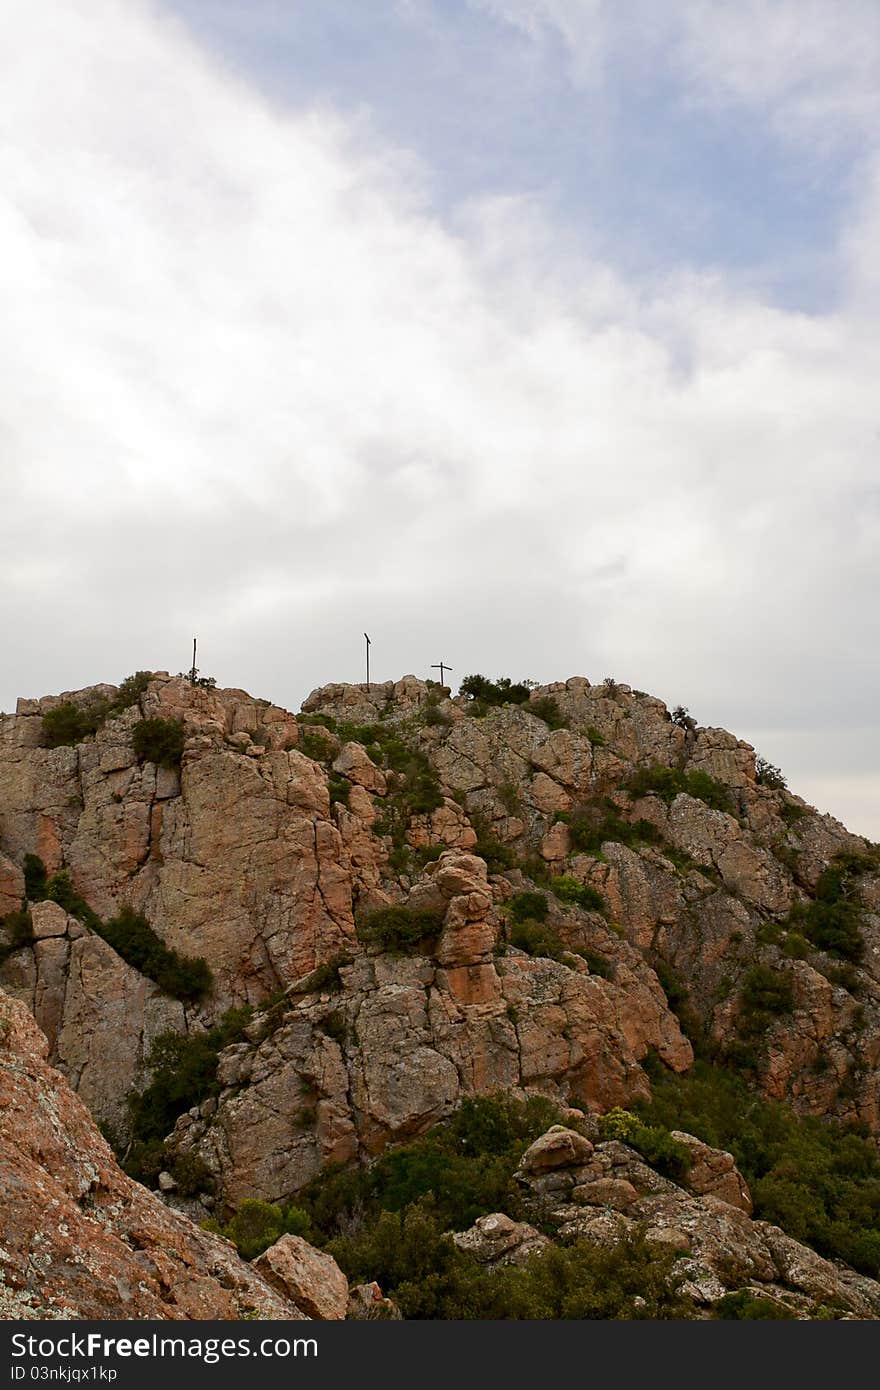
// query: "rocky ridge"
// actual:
[[278, 833]]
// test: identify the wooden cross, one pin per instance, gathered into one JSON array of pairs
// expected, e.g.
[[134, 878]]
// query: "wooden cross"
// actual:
[[441, 667], [193, 673], [368, 660]]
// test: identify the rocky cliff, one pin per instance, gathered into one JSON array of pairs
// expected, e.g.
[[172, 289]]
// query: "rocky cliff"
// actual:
[[421, 898]]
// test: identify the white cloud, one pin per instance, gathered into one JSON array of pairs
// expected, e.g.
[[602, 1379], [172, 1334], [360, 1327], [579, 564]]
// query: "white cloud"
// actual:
[[579, 23], [252, 389]]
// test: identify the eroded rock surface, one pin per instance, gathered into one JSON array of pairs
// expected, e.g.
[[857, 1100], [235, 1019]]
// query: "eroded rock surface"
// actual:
[[78, 1239]]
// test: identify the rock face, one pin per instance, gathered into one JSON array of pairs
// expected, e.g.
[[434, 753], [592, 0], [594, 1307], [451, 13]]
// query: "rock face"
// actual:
[[78, 1239], [100, 1016], [603, 1194], [307, 1277], [279, 833]]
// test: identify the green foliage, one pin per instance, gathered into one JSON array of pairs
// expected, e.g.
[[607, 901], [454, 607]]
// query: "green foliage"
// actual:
[[833, 922], [504, 691], [766, 993], [184, 1073], [130, 691], [18, 931], [682, 716], [546, 707], [791, 813], [131, 936], [314, 746], [813, 1177], [744, 1306], [339, 788], [60, 890], [536, 939], [497, 855], [435, 717], [795, 946], [679, 1001], [599, 964], [463, 1166], [421, 1269], [593, 823], [769, 775], [595, 736], [528, 907], [257, 1225], [399, 928], [35, 878], [653, 1142], [570, 890], [191, 1174], [327, 976], [68, 724], [670, 782], [159, 741]]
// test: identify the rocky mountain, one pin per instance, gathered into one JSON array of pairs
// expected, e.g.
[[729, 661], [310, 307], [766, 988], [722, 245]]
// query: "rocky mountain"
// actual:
[[301, 938]]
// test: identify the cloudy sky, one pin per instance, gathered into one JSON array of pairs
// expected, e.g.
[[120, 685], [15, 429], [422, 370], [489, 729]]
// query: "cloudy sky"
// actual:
[[539, 336]]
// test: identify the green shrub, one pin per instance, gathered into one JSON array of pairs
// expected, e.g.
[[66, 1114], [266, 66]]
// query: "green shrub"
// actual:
[[464, 1166], [682, 716], [536, 939], [69, 724], [795, 946], [399, 928], [60, 890], [435, 717], [528, 907], [159, 741], [595, 736], [421, 1269], [339, 788], [487, 693], [593, 823], [131, 936], [497, 855], [769, 775], [18, 932], [546, 707], [184, 1073], [813, 1177], [130, 691], [326, 975], [191, 1173], [765, 994], [570, 890], [35, 878], [653, 1142], [257, 1225], [834, 921], [314, 746], [670, 782], [599, 965], [744, 1306]]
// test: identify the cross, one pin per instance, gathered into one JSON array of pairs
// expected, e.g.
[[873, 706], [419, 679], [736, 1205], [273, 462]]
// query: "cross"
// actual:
[[441, 667], [193, 673], [368, 660]]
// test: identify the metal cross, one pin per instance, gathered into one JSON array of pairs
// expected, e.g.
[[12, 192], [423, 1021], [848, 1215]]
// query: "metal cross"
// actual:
[[441, 667], [193, 673], [368, 661]]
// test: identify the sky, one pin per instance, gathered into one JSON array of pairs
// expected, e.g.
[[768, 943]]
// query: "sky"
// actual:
[[537, 336]]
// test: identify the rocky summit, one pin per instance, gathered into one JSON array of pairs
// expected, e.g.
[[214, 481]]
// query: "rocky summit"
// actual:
[[271, 953]]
